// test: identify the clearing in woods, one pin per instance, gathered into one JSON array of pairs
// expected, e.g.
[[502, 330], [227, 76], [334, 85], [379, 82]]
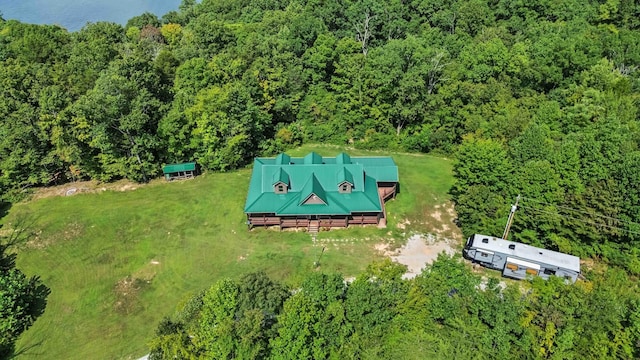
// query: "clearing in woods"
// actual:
[[118, 261]]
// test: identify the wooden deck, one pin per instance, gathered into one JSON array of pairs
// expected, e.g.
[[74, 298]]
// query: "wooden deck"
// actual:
[[387, 192]]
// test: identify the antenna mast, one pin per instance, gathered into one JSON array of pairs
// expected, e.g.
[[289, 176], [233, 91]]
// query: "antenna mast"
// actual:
[[510, 220]]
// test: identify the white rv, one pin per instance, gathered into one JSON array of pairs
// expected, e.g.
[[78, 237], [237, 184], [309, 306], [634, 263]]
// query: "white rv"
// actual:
[[517, 260]]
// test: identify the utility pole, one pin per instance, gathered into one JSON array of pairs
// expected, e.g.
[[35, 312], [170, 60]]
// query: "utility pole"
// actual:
[[510, 220]]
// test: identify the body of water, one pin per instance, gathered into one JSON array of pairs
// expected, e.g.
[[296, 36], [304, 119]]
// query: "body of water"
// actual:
[[74, 14]]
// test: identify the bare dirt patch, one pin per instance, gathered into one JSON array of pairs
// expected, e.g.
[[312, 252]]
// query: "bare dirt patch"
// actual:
[[437, 215], [127, 291], [441, 221], [72, 231], [403, 224], [419, 251], [37, 241], [80, 187]]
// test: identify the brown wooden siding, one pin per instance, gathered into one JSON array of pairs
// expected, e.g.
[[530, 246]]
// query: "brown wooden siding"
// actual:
[[325, 221], [294, 222], [263, 220], [386, 191], [333, 221], [364, 219], [179, 175]]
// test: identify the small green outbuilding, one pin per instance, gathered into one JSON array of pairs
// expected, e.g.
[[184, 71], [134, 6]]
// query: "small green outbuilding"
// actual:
[[179, 171]]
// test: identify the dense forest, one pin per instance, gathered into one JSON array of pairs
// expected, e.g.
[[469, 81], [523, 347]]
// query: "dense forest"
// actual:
[[441, 314], [534, 98]]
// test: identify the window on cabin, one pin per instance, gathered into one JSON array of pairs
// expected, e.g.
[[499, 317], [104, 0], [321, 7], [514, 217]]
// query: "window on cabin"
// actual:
[[345, 188], [512, 247], [485, 241], [280, 188]]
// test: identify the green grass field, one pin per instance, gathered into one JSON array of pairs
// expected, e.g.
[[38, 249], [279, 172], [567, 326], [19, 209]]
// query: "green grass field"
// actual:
[[117, 262]]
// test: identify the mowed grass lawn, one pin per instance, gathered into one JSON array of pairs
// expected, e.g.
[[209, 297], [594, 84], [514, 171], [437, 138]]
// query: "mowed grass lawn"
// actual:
[[117, 262]]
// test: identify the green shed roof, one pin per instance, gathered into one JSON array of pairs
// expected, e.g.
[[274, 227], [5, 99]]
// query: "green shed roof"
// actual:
[[174, 168], [320, 176]]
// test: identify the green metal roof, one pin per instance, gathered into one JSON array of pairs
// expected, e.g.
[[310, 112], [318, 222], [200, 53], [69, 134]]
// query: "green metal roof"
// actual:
[[321, 176], [174, 168], [283, 159], [312, 158], [343, 158], [312, 187], [280, 176], [345, 176]]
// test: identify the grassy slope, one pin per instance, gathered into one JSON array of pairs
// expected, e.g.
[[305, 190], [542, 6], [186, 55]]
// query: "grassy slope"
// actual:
[[175, 239]]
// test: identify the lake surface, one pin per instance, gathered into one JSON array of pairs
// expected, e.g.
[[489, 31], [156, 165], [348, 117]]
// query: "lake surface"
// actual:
[[74, 14]]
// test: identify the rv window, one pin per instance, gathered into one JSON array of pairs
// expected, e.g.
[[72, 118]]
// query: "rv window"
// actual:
[[484, 254], [512, 267], [485, 241], [512, 247], [532, 271], [549, 272]]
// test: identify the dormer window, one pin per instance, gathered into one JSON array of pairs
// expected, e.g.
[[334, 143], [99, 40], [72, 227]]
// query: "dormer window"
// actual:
[[280, 182], [280, 188], [344, 180], [344, 188]]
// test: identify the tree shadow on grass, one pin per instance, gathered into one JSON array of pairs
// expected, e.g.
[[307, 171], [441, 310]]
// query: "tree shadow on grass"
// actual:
[[21, 231], [28, 296], [4, 208], [27, 351]]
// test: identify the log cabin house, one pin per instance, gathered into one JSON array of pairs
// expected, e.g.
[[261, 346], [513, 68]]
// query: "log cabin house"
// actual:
[[320, 192]]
